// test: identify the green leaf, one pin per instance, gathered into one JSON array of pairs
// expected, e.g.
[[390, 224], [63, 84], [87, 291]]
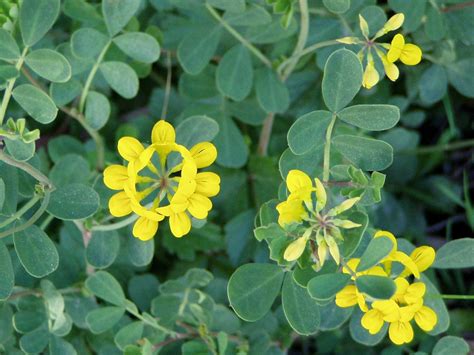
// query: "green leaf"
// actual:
[[7, 276], [435, 25], [194, 347], [253, 288], [88, 43], [413, 11], [121, 78], [272, 94], [106, 287], [379, 287], [49, 64], [36, 341], [438, 305], [197, 49], [6, 323], [233, 152], [139, 46], [324, 287], [449, 345], [254, 15], [353, 237], [37, 253], [333, 316], [360, 334], [36, 18], [228, 5], [234, 76], [97, 110], [58, 346], [364, 153], [371, 117], [61, 146], [337, 6], [102, 319], [103, 249], [8, 72], [196, 129], [140, 253], [74, 201], [117, 13], [36, 103], [342, 79], [64, 93], [433, 84], [377, 249], [301, 311], [308, 131], [456, 254], [71, 168], [460, 77], [8, 48], [2, 193], [20, 150], [129, 334]]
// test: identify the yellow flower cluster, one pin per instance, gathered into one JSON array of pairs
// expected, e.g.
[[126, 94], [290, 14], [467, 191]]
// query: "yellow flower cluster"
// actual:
[[407, 302], [388, 53], [162, 180], [321, 228]]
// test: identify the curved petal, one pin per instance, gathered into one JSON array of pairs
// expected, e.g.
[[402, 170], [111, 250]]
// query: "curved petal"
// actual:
[[371, 76], [426, 318], [396, 47], [405, 260], [423, 257], [120, 205], [347, 297], [415, 292], [372, 321], [163, 133], [180, 224], [382, 233], [400, 332], [389, 309], [199, 206], [208, 184], [130, 148], [145, 228], [115, 176], [411, 54], [204, 154], [295, 249], [299, 184]]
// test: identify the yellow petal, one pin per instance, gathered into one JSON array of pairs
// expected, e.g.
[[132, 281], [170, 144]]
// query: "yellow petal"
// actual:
[[186, 186], [346, 224], [208, 184], [394, 22], [371, 76], [299, 184], [372, 321], [375, 271], [406, 261], [382, 233], [199, 206], [415, 292], [295, 249], [321, 196], [389, 309], [396, 47], [333, 249], [402, 286], [351, 266], [426, 318], [348, 40], [180, 224], [115, 176], [391, 70], [163, 133], [361, 302], [411, 54], [290, 211], [423, 257], [347, 297], [407, 313], [400, 332], [179, 202], [344, 206], [120, 205], [364, 27], [130, 148], [322, 252], [144, 228], [204, 154]]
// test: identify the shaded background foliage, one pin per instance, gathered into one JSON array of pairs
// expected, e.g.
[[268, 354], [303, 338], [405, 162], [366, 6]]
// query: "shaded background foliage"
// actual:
[[214, 70]]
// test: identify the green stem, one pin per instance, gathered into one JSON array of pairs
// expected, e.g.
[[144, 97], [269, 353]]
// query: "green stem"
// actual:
[[38, 175], [327, 149], [46, 221], [450, 115], [33, 219], [239, 37], [151, 324], [110, 227], [440, 148], [18, 214], [8, 91], [302, 38], [458, 297], [90, 78]]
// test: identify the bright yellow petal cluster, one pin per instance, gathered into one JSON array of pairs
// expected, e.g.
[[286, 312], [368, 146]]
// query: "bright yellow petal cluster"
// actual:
[[186, 190], [406, 304], [408, 53], [300, 208]]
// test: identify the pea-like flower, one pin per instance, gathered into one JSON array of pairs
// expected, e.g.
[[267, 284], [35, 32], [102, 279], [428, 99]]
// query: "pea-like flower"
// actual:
[[387, 53], [321, 228], [162, 180]]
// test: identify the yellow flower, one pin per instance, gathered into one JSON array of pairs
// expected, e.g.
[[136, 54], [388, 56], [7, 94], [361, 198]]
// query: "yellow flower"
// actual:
[[401, 331], [299, 184], [153, 192], [349, 296], [425, 317], [290, 211], [381, 312], [296, 248], [409, 294], [371, 75], [409, 54], [393, 24], [423, 257]]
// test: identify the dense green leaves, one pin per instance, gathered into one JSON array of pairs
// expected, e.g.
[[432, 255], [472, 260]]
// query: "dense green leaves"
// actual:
[[102, 319], [253, 288], [371, 117], [36, 103], [36, 18], [74, 201], [121, 77], [365, 153], [7, 276], [308, 131], [301, 311], [103, 249], [106, 287], [88, 42], [139, 46], [49, 64], [325, 287], [379, 287], [37, 253], [234, 76], [342, 79], [117, 13], [272, 93], [455, 254]]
